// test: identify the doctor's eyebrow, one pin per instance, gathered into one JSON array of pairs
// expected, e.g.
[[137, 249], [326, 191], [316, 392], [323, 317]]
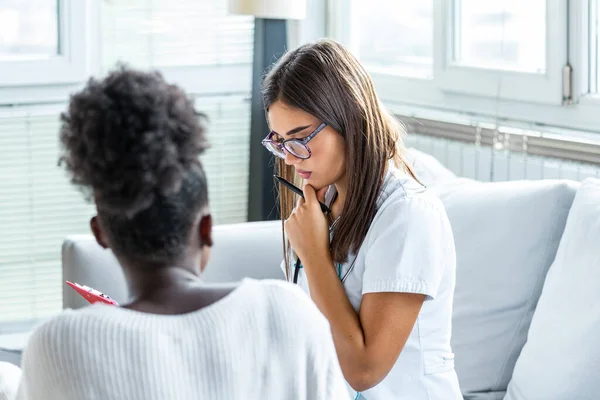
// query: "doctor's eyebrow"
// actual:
[[296, 130]]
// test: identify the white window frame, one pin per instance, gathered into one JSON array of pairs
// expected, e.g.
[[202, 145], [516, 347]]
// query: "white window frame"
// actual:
[[520, 86], [40, 81], [421, 97], [582, 17], [211, 80]]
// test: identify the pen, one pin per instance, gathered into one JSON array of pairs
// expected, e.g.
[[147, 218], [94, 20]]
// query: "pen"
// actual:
[[299, 192]]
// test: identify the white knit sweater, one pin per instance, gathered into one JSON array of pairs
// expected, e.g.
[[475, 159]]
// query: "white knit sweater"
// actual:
[[265, 340]]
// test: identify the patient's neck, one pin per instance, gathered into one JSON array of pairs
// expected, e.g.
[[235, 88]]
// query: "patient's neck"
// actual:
[[144, 280], [171, 289], [149, 282]]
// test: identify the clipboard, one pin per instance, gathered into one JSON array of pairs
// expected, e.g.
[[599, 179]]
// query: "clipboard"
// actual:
[[92, 295]]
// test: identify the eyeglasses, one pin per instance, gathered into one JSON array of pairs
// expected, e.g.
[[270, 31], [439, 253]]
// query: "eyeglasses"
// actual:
[[296, 147]]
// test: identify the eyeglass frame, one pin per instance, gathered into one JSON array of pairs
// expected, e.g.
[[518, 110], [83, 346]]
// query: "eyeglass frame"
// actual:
[[303, 142]]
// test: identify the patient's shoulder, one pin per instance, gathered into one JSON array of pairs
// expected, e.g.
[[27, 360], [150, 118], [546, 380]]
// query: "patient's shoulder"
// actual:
[[293, 307], [60, 330], [55, 327], [52, 343], [286, 293]]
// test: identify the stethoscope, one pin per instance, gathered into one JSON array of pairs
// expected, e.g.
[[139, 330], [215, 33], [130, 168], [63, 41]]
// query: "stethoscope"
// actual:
[[298, 267]]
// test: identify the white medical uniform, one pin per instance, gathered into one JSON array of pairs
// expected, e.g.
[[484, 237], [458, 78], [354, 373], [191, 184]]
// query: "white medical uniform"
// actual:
[[409, 248]]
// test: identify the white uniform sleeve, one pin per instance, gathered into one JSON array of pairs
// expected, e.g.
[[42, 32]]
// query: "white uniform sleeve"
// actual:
[[409, 247]]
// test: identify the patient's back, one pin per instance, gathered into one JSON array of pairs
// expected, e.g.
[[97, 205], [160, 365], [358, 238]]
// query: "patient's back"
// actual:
[[264, 340]]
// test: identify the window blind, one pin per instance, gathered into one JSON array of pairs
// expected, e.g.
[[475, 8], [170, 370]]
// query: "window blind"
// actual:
[[37, 209], [38, 206], [226, 161], [163, 33]]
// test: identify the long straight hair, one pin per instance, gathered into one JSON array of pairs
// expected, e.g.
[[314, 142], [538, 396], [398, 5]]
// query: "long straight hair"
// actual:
[[325, 80]]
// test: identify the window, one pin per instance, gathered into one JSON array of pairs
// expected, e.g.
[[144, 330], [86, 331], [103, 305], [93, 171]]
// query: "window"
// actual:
[[28, 30], [596, 60], [531, 62], [505, 35], [499, 49], [594, 47], [584, 53], [43, 35], [194, 43], [395, 37]]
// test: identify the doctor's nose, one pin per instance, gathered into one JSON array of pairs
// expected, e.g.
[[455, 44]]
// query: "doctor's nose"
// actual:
[[291, 159]]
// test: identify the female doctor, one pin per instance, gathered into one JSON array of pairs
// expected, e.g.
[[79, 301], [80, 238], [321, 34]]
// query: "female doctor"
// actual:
[[381, 265]]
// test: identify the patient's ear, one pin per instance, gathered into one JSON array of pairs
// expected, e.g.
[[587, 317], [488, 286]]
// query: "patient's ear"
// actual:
[[98, 232], [205, 228]]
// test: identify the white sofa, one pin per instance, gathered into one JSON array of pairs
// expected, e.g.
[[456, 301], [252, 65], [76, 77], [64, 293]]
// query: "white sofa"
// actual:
[[526, 322]]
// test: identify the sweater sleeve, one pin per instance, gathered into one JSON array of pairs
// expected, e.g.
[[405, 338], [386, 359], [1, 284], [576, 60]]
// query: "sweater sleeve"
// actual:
[[33, 363], [324, 378], [10, 376], [42, 367], [327, 381], [306, 327]]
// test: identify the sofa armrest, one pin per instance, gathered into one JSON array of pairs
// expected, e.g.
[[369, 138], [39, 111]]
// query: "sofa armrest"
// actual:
[[242, 250]]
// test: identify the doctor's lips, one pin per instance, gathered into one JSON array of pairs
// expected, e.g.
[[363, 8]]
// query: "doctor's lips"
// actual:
[[303, 174]]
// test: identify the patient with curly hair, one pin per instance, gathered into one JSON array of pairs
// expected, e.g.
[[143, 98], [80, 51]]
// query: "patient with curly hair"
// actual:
[[132, 142]]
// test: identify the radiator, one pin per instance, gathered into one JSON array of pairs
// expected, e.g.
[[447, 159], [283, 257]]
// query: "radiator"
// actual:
[[491, 160]]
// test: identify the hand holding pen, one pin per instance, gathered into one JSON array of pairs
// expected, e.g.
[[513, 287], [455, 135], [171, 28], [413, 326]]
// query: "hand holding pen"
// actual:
[[306, 228], [300, 193]]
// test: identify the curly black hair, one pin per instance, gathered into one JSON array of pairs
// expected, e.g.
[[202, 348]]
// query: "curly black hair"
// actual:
[[132, 143]]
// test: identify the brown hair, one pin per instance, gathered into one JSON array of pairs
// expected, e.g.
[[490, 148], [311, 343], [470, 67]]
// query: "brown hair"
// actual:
[[324, 79]]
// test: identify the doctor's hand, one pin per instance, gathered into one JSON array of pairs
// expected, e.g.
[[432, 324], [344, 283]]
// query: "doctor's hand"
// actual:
[[306, 228]]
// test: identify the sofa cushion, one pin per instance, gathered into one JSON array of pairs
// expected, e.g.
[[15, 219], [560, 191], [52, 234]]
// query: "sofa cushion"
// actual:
[[506, 236], [562, 355], [427, 168]]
